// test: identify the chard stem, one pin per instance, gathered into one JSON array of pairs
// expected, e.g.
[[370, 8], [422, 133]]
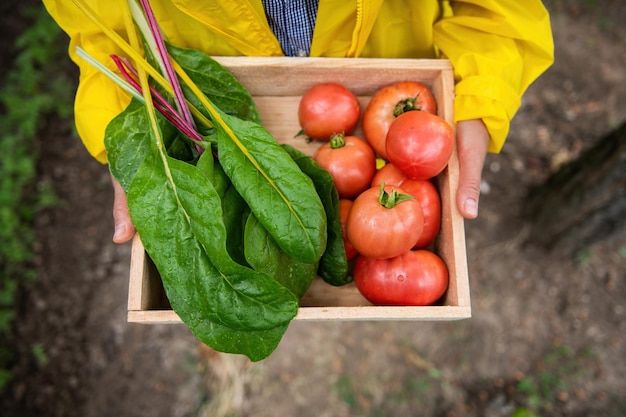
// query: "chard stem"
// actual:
[[110, 74], [164, 107], [136, 56], [167, 63]]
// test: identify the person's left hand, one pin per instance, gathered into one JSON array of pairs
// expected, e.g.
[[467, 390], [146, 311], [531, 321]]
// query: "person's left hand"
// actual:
[[124, 229], [472, 140]]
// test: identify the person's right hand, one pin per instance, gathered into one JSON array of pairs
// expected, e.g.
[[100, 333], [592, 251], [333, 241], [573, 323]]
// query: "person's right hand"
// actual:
[[124, 229]]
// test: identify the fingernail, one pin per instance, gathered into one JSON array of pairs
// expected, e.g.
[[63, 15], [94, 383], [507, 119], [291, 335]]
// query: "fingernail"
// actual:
[[471, 207], [119, 230]]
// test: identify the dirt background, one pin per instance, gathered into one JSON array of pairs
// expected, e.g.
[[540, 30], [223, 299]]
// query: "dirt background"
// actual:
[[547, 332]]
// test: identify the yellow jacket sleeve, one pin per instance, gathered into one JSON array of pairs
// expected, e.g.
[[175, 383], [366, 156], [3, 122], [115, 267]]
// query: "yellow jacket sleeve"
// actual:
[[98, 99], [497, 48]]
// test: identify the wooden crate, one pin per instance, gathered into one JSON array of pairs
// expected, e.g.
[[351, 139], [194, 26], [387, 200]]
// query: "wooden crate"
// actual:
[[277, 85]]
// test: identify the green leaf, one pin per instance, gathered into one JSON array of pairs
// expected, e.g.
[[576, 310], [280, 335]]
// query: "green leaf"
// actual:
[[279, 194], [177, 213], [523, 412], [264, 255], [179, 147], [256, 345], [333, 266], [216, 82], [127, 141], [235, 212], [214, 172], [187, 215]]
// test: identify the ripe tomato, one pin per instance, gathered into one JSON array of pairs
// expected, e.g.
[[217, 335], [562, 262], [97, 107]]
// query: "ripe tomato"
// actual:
[[420, 144], [351, 162], [387, 104], [414, 278], [384, 222], [344, 208], [388, 174], [426, 193], [326, 109]]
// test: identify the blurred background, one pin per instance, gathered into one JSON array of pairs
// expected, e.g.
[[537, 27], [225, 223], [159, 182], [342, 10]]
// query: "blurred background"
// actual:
[[548, 332]]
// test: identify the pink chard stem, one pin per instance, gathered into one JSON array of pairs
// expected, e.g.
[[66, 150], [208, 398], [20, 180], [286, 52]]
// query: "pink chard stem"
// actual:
[[162, 105], [171, 74]]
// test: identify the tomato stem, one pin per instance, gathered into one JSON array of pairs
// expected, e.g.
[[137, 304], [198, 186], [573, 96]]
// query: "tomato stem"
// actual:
[[337, 141], [405, 105], [393, 198]]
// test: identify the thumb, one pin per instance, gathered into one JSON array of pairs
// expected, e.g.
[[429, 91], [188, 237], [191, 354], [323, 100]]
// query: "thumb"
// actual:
[[472, 142], [124, 229]]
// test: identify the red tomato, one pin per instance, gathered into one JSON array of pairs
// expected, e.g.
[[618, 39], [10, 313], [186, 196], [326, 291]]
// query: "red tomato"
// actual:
[[420, 144], [351, 162], [344, 208], [426, 193], [388, 174], [326, 109], [415, 278], [387, 104], [384, 222]]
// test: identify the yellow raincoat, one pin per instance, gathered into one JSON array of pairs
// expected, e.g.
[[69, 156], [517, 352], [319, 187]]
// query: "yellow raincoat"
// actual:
[[497, 47]]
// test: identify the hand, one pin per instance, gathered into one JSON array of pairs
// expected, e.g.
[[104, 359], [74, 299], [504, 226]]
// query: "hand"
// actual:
[[472, 140], [124, 229]]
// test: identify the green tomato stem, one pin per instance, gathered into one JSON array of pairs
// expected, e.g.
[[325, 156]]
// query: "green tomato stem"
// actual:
[[405, 105], [337, 141], [391, 199]]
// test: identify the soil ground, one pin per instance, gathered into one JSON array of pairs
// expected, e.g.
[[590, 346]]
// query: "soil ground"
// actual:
[[547, 332]]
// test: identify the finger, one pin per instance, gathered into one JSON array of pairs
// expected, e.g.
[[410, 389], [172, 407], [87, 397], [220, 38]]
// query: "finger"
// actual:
[[472, 143], [124, 229]]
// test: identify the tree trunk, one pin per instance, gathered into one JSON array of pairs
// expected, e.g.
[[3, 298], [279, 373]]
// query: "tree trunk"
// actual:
[[584, 201]]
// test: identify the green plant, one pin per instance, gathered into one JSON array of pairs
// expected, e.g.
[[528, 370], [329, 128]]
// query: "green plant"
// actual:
[[39, 353], [557, 370], [523, 412], [239, 168], [33, 88], [419, 387], [345, 390], [584, 256]]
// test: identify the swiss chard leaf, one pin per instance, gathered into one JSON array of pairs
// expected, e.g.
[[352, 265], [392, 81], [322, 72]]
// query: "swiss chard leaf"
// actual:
[[179, 148], [255, 344], [177, 200], [264, 255], [127, 141], [233, 206], [216, 82], [214, 172], [235, 211], [190, 279], [279, 194], [201, 280], [333, 266], [185, 214]]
